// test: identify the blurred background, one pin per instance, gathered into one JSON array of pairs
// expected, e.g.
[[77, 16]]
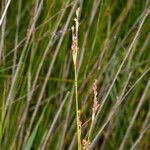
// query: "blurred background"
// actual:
[[37, 99]]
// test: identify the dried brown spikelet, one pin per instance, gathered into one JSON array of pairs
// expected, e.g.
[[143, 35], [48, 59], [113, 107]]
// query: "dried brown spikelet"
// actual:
[[86, 144], [74, 46], [95, 102]]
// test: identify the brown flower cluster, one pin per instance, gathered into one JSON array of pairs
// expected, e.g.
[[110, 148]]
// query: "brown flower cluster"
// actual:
[[86, 144], [74, 46], [95, 102]]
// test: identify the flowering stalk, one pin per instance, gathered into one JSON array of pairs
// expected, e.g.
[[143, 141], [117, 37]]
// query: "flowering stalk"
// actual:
[[74, 48], [95, 107], [86, 143]]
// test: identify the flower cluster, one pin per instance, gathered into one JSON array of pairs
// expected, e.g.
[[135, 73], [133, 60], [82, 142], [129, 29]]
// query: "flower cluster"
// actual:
[[86, 144], [95, 102], [74, 46]]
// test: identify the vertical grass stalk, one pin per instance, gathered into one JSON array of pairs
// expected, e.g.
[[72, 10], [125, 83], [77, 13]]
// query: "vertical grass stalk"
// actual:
[[94, 109], [77, 109], [74, 54]]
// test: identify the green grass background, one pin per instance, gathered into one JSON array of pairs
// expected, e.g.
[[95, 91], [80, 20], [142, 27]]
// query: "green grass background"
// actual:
[[106, 31]]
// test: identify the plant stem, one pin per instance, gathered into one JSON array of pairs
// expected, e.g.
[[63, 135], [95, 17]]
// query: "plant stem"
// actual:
[[77, 116], [89, 134]]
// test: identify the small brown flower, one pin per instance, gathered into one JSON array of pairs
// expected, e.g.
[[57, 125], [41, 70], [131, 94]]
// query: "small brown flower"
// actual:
[[86, 144], [74, 46], [95, 102]]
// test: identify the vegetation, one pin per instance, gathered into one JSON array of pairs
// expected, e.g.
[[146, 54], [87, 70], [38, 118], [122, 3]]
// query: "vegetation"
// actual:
[[74, 78]]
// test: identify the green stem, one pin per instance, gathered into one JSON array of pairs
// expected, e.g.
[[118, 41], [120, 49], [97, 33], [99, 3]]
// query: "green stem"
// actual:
[[77, 117], [89, 134]]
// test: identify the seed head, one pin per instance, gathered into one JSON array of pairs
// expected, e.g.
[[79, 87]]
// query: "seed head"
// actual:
[[86, 144], [95, 102], [74, 46]]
